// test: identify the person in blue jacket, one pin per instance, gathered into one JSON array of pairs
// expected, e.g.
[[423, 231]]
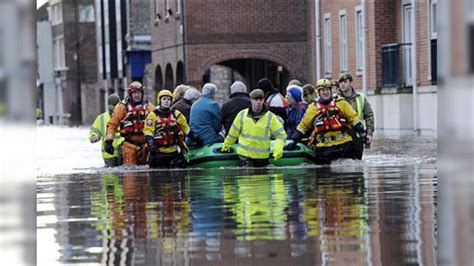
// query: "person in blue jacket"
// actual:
[[205, 116], [295, 110]]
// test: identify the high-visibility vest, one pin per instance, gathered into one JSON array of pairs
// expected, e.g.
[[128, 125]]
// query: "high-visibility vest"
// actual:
[[99, 128]]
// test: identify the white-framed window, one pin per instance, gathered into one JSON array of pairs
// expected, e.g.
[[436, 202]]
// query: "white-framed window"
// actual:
[[157, 8], [327, 45], [433, 30], [167, 7], [359, 38], [86, 13], [56, 14], [178, 7], [58, 52], [343, 40]]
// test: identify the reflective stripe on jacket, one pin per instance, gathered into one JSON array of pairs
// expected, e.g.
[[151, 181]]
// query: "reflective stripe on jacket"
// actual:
[[255, 137], [99, 129]]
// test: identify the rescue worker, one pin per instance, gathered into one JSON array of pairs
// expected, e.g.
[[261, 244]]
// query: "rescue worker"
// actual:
[[165, 132], [129, 119], [205, 117], [274, 100], [254, 127], [184, 105], [295, 82], [238, 101], [332, 122], [295, 110], [359, 103], [98, 132]]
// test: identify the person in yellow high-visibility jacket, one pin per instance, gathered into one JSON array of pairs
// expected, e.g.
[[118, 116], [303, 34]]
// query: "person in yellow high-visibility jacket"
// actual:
[[254, 127], [332, 123], [98, 132]]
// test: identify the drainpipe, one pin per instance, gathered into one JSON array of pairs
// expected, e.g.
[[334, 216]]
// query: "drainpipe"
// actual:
[[318, 41], [364, 51], [413, 66], [183, 28]]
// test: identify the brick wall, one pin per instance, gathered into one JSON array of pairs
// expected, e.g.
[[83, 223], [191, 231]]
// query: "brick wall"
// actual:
[[221, 30]]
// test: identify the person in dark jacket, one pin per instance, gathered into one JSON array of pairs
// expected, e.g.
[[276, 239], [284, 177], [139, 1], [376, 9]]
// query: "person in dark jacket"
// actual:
[[239, 100], [184, 105], [275, 102]]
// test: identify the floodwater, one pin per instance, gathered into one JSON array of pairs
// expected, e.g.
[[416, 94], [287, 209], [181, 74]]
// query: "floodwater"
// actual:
[[381, 210]]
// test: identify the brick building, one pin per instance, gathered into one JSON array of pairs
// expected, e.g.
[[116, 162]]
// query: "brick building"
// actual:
[[75, 58], [256, 39], [283, 40]]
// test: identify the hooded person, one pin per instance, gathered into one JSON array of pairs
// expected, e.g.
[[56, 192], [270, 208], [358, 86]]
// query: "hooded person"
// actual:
[[238, 101], [128, 118], [296, 108], [178, 92], [274, 100], [184, 105], [98, 132], [205, 116]]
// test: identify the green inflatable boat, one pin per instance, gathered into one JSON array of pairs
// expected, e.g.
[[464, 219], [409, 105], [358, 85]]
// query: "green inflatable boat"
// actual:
[[210, 156]]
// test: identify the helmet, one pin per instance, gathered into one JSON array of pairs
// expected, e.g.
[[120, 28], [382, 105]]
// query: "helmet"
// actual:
[[323, 83], [134, 86], [163, 93], [345, 76]]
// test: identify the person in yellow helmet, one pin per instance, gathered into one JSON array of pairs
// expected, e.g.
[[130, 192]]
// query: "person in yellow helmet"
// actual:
[[98, 132], [165, 131], [254, 127], [332, 122]]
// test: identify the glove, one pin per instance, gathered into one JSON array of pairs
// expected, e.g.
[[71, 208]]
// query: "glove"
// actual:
[[359, 128], [108, 147], [193, 137], [277, 154], [94, 138], [225, 148], [291, 146], [297, 136]]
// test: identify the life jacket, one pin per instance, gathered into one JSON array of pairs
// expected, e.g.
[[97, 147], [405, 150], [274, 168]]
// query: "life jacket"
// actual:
[[167, 131], [329, 118], [134, 120]]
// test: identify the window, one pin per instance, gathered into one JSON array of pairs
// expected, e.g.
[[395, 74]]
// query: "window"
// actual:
[[58, 53], [433, 30], [86, 13], [433, 42], [178, 7], [56, 14], [157, 9], [167, 8], [343, 40], [359, 39], [327, 45]]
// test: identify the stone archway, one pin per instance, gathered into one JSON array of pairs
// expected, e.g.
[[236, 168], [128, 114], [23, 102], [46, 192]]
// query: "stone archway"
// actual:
[[179, 73], [169, 79], [158, 78]]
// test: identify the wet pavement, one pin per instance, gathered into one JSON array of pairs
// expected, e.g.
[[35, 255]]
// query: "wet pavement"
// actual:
[[381, 210]]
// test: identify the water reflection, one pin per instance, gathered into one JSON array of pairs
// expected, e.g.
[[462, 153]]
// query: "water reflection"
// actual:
[[279, 216]]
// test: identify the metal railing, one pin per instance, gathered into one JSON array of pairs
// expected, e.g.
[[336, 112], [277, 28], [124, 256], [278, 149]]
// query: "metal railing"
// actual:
[[396, 67]]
